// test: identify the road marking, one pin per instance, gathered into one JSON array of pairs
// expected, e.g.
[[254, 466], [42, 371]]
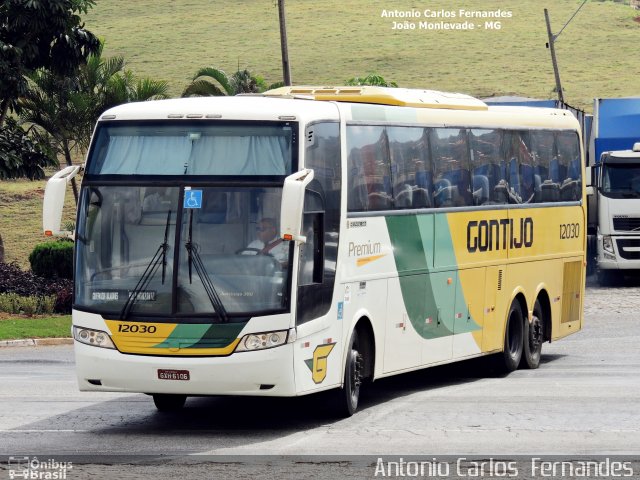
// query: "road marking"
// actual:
[[44, 431]]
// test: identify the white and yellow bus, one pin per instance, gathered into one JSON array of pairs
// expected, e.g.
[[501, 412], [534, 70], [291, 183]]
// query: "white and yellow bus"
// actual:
[[316, 238]]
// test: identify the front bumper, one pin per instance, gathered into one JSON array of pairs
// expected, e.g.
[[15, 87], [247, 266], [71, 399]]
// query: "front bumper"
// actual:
[[264, 372]]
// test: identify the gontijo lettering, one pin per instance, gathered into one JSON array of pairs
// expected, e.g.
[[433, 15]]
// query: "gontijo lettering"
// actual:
[[489, 235]]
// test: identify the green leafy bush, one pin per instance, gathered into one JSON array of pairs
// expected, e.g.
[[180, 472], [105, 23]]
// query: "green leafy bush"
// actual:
[[21, 154], [53, 259], [15, 304], [26, 284]]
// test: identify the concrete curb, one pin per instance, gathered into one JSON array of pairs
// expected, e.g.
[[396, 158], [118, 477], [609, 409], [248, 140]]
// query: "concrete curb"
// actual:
[[36, 342]]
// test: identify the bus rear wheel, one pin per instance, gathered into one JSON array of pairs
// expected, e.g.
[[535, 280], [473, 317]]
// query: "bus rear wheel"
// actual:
[[169, 403], [533, 339], [513, 338], [348, 396]]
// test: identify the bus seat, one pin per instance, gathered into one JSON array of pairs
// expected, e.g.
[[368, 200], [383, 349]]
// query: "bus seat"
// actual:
[[514, 176], [537, 182], [570, 190], [421, 198], [404, 199], [445, 196], [480, 189], [379, 201], [550, 191], [574, 169]]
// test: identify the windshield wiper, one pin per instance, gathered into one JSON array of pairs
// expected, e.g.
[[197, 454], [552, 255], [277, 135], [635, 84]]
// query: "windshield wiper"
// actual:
[[159, 257], [194, 259]]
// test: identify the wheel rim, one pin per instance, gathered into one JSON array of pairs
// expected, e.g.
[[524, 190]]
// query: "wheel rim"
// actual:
[[356, 371], [514, 335], [535, 333]]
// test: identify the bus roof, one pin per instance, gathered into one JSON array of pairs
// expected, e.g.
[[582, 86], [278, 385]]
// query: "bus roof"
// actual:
[[364, 103], [403, 97]]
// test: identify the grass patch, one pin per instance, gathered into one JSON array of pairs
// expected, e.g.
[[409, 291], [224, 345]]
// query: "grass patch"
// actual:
[[21, 217], [18, 327], [332, 41]]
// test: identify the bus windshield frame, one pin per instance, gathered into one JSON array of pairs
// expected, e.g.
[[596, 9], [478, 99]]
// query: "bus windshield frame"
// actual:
[[130, 224]]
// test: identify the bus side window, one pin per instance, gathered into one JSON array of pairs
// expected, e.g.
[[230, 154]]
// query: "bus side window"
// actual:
[[452, 183], [485, 164], [410, 166], [370, 170], [568, 147]]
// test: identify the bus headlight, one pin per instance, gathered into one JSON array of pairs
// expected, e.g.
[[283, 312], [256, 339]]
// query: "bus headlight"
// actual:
[[607, 244], [91, 337], [261, 341]]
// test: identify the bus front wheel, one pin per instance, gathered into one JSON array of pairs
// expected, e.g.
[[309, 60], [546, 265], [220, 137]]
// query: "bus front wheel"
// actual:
[[533, 338], [513, 338], [169, 403], [348, 396]]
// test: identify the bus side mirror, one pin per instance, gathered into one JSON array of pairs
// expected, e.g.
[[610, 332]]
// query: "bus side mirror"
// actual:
[[292, 205], [53, 205]]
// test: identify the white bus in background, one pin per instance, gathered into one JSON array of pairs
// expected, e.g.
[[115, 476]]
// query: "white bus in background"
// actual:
[[410, 228]]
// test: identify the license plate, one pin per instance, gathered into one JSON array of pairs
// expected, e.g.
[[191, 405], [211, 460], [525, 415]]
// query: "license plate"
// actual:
[[173, 374]]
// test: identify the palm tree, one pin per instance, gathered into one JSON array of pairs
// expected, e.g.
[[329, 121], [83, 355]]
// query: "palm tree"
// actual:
[[63, 110], [105, 82], [210, 81]]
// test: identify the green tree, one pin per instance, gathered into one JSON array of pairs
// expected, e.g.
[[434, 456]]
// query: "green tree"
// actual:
[[21, 155], [36, 34], [210, 81], [104, 83], [371, 79], [64, 109]]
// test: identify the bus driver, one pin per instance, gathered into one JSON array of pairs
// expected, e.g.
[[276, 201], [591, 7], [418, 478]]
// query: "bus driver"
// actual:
[[268, 242]]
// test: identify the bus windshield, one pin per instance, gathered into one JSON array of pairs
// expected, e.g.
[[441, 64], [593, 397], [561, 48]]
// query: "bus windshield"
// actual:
[[226, 250], [621, 180], [192, 148]]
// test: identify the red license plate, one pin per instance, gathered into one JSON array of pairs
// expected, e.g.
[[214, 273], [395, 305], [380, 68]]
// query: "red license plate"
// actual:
[[173, 374]]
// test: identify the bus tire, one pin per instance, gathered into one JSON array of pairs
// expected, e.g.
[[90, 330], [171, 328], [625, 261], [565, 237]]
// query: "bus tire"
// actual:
[[168, 402], [533, 339], [348, 396], [513, 338]]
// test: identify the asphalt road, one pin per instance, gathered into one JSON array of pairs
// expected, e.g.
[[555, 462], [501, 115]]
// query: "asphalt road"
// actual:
[[583, 400]]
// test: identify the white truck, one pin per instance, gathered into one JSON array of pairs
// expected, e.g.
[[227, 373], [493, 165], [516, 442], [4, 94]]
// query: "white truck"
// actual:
[[614, 200]]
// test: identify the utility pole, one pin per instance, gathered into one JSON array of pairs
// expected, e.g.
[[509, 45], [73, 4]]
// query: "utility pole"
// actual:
[[286, 70], [551, 47]]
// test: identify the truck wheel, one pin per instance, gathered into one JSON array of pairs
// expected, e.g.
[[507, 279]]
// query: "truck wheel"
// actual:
[[169, 403], [347, 398], [513, 339], [533, 339]]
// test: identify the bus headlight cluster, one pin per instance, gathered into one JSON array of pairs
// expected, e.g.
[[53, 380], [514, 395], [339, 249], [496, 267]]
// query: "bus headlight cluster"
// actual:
[[261, 341], [95, 338]]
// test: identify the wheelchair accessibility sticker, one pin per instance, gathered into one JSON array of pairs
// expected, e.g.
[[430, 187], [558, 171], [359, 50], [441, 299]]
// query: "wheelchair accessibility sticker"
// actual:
[[192, 198]]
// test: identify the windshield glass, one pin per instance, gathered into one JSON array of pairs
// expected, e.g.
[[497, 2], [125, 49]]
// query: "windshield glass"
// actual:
[[226, 250], [621, 180], [192, 148]]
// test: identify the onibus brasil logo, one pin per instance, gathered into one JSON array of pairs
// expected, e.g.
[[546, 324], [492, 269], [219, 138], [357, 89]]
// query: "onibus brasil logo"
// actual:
[[32, 468]]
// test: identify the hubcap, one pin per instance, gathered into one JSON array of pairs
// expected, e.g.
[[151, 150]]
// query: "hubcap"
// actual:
[[535, 333], [357, 372]]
